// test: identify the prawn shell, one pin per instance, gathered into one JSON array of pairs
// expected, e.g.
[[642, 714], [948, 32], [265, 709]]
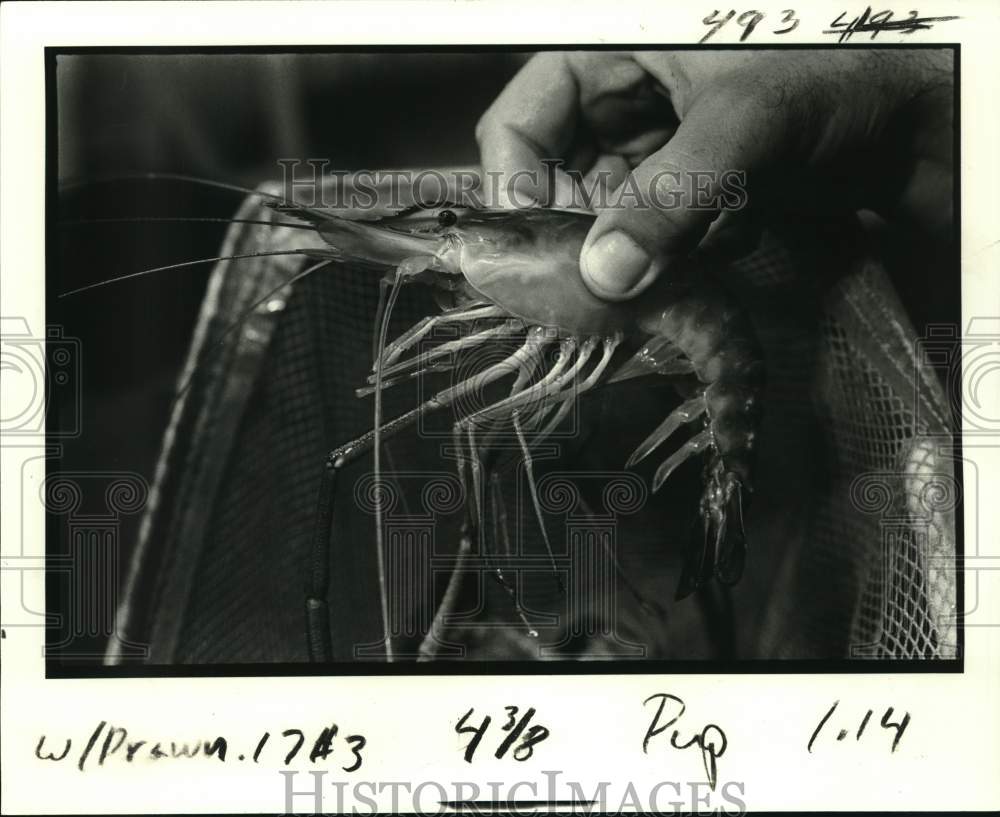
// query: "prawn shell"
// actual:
[[734, 414], [546, 292], [714, 335]]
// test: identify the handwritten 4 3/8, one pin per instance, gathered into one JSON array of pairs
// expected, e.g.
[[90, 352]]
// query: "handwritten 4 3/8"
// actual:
[[519, 734]]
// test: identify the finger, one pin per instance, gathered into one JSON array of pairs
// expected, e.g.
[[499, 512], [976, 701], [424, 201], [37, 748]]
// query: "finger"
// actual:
[[734, 234], [669, 201], [534, 118], [607, 175]]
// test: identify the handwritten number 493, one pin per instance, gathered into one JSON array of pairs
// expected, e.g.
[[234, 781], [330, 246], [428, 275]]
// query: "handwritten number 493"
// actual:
[[518, 732], [749, 20]]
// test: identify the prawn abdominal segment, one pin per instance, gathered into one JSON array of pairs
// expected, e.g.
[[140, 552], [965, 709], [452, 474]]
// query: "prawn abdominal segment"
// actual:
[[705, 332]]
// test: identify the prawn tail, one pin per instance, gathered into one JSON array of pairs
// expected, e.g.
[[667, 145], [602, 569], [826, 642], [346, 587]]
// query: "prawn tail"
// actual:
[[718, 551], [706, 331]]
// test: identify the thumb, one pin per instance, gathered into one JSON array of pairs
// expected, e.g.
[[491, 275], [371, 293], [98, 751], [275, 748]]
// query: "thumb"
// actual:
[[667, 204]]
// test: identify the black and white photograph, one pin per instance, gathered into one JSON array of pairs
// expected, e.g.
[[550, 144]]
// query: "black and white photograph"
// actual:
[[499, 356], [412, 406]]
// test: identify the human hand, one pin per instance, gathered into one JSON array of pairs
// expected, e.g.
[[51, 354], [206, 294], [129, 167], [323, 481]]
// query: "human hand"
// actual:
[[868, 129]]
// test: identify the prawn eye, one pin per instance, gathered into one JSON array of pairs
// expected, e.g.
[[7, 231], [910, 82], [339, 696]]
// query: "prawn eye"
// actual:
[[446, 218]]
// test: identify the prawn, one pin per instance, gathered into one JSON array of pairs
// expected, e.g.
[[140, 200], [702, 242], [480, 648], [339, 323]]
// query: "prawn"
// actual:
[[517, 273], [513, 275]]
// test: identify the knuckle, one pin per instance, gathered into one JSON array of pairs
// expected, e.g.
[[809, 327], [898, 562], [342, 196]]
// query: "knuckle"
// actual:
[[482, 127]]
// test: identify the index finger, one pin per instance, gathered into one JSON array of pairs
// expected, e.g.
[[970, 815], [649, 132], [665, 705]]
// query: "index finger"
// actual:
[[533, 118]]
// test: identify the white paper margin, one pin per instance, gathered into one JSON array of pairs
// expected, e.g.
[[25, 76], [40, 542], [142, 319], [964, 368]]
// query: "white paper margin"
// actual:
[[951, 752]]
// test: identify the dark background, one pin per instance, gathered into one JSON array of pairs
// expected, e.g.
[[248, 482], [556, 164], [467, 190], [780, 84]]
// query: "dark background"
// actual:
[[231, 117], [225, 117]]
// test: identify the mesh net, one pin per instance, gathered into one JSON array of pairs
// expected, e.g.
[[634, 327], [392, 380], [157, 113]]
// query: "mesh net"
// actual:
[[851, 527]]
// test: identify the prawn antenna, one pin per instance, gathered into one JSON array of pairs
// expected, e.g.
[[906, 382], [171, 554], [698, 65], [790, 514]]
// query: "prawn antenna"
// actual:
[[185, 219], [195, 262], [183, 177], [242, 319], [379, 513]]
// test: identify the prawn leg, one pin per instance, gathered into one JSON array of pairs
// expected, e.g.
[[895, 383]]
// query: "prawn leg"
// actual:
[[361, 445], [610, 345], [499, 514], [476, 469], [508, 328], [686, 412], [384, 284], [659, 355], [524, 376], [433, 641], [421, 329], [553, 381], [477, 481], [559, 376], [696, 445], [529, 471], [442, 366]]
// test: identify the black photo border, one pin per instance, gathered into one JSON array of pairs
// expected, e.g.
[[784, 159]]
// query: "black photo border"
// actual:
[[61, 668]]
